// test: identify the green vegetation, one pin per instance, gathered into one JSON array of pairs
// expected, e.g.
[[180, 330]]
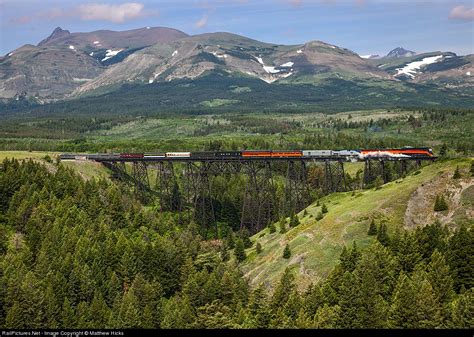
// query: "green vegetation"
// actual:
[[79, 253], [316, 243], [286, 252], [441, 129], [440, 203]]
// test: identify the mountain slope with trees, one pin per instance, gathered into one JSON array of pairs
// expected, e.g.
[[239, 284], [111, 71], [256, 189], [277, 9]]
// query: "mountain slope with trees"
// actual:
[[87, 254]]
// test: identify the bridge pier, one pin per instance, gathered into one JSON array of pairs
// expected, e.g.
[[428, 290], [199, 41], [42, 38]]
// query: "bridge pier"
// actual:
[[200, 192], [258, 207], [373, 169], [140, 177], [297, 194], [167, 187], [335, 176]]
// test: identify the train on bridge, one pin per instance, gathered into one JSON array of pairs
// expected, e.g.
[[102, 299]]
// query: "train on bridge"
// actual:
[[353, 155]]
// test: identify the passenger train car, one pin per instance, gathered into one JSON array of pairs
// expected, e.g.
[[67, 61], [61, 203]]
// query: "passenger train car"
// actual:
[[406, 152]]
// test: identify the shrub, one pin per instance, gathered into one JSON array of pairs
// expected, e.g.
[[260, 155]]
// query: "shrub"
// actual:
[[440, 203], [457, 173], [258, 248], [287, 252], [372, 228]]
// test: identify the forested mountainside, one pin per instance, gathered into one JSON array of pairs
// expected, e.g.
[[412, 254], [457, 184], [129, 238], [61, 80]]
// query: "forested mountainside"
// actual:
[[85, 253]]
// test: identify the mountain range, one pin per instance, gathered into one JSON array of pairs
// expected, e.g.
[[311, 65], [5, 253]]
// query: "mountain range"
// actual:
[[75, 65]]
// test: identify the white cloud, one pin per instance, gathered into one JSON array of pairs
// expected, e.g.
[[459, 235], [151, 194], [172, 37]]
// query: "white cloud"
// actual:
[[201, 23], [462, 13], [112, 13]]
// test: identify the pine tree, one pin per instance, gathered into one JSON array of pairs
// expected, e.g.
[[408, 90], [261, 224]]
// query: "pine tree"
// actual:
[[230, 239], [287, 252], [282, 226], [14, 319], [239, 250], [460, 311], [272, 228], [225, 256], [472, 168], [404, 308], [460, 252], [457, 173], [283, 290], [408, 252], [440, 278], [350, 302], [258, 248], [326, 317], [372, 228], [258, 311], [67, 315], [245, 236], [294, 220], [443, 150], [324, 209], [382, 235], [440, 203]]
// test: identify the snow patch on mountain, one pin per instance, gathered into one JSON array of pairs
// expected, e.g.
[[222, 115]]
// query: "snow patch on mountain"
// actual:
[[110, 53], [218, 55], [299, 51], [96, 42], [412, 68], [271, 70], [71, 47], [174, 53], [287, 64]]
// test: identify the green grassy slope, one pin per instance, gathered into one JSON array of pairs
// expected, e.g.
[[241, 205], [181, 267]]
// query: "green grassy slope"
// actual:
[[316, 245], [86, 169]]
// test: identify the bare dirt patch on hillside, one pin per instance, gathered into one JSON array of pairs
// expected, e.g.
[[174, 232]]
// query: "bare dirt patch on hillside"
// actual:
[[420, 212]]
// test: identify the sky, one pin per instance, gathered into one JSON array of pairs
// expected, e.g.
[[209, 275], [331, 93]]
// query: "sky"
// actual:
[[363, 26]]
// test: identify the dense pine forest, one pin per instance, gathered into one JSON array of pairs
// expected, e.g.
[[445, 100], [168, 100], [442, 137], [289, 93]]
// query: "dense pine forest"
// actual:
[[81, 253]]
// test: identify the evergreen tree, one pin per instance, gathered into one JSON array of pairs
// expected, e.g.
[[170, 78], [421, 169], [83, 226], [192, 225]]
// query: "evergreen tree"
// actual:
[[460, 253], [272, 228], [245, 237], [440, 203], [350, 302], [67, 315], [326, 317], [258, 315], [239, 250], [372, 228], [461, 311], [225, 256], [457, 173], [258, 248], [440, 278], [382, 235], [404, 308], [283, 291], [443, 150], [408, 252], [287, 252], [15, 319], [230, 239], [324, 209], [282, 226]]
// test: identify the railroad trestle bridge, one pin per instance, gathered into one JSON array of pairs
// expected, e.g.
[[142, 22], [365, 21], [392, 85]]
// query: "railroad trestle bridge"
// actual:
[[184, 184]]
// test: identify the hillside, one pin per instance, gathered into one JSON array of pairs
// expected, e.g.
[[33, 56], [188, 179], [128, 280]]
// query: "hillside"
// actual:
[[316, 245]]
